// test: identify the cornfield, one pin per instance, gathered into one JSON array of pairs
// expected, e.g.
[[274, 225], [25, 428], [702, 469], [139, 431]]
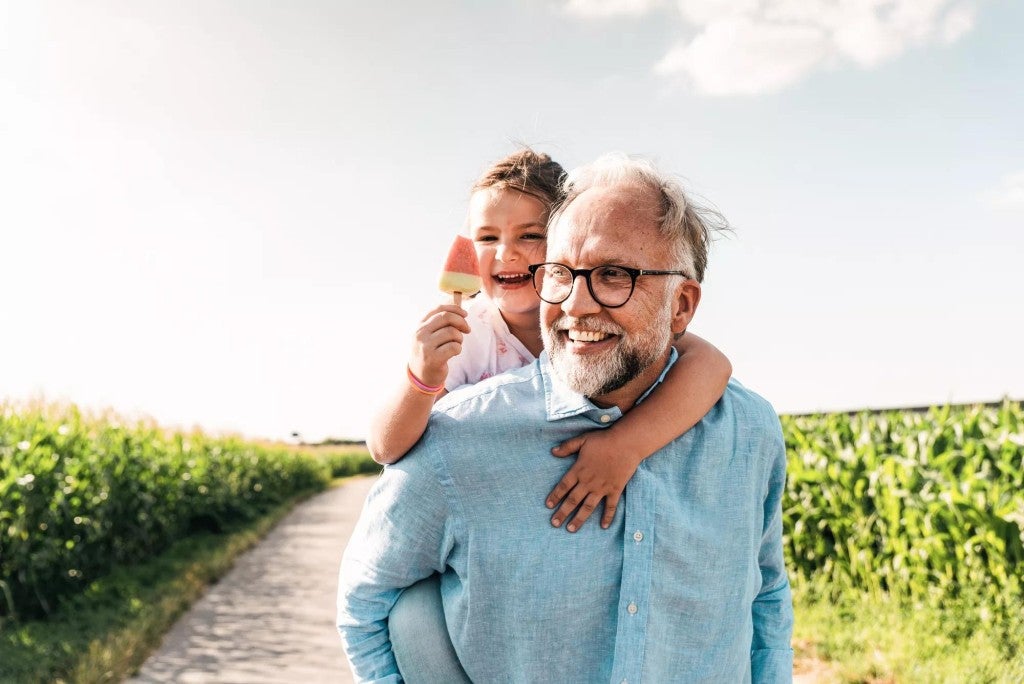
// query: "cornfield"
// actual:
[[79, 496], [925, 507]]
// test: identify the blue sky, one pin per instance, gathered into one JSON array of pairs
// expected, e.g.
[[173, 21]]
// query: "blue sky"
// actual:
[[232, 214]]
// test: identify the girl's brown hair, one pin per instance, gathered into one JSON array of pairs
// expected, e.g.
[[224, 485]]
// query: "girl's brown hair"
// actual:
[[526, 171]]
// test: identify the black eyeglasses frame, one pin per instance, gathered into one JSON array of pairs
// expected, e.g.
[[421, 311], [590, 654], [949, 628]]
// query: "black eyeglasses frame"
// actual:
[[634, 273]]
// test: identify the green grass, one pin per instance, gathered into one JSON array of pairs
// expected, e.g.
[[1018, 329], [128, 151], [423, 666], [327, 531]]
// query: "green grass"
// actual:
[[106, 632], [872, 639]]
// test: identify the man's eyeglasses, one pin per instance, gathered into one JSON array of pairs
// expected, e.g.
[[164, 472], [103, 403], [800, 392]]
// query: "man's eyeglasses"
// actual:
[[610, 286]]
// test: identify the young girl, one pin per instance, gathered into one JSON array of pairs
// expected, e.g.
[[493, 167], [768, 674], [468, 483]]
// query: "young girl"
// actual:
[[500, 330]]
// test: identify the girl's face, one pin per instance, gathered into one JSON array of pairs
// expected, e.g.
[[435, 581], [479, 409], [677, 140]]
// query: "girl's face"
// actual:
[[509, 231]]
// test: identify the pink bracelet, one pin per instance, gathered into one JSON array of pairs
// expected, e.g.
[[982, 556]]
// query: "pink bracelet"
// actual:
[[419, 386]]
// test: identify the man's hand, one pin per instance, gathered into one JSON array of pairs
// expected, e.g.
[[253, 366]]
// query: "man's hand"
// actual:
[[601, 471]]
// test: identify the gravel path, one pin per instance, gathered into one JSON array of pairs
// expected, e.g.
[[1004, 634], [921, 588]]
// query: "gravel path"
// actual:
[[271, 618]]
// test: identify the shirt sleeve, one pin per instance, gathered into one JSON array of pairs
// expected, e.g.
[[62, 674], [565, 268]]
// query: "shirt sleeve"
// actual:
[[403, 535], [771, 656]]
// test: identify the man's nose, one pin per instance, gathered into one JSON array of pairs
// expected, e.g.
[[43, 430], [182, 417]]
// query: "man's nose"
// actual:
[[580, 302]]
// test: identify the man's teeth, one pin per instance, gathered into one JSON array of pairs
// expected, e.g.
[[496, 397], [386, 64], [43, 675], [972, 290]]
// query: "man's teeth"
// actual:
[[587, 336]]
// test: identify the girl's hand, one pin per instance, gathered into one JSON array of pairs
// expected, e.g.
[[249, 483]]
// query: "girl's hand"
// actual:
[[601, 471], [438, 339]]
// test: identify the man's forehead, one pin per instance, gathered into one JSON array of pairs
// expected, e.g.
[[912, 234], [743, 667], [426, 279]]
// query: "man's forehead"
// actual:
[[618, 203], [605, 212]]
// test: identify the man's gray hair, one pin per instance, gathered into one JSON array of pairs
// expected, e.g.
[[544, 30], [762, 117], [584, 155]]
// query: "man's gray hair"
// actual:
[[686, 225]]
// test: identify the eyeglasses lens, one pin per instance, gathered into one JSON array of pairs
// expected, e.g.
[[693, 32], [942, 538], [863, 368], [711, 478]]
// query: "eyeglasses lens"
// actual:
[[611, 286]]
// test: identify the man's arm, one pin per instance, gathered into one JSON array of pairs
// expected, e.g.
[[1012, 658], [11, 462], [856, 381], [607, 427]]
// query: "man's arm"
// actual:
[[402, 536], [771, 654]]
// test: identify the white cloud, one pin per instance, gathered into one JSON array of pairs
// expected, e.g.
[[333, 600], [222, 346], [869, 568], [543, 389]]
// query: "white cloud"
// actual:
[[704, 12], [871, 33], [738, 57], [958, 22], [1009, 192], [749, 47], [611, 8]]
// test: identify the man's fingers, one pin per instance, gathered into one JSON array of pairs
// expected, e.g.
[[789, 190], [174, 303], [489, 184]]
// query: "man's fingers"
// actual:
[[567, 482]]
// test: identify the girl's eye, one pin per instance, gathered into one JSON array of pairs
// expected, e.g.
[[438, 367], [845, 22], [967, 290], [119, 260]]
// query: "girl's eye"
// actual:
[[485, 238], [534, 236]]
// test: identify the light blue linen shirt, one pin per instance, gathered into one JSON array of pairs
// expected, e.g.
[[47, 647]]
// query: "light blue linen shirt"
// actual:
[[688, 584]]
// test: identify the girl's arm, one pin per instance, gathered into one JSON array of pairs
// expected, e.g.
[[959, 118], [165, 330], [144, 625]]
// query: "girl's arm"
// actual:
[[609, 457], [400, 423]]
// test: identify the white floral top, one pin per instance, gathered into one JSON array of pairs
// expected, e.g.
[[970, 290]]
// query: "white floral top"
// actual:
[[489, 348]]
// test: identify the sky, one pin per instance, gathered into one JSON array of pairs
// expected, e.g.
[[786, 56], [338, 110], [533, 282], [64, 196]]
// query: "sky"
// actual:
[[232, 214]]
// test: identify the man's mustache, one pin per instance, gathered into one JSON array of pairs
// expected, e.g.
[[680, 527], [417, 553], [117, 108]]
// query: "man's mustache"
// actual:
[[586, 324]]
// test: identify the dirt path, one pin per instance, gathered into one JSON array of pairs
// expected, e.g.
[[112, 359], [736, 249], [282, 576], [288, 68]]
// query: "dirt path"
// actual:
[[271, 618]]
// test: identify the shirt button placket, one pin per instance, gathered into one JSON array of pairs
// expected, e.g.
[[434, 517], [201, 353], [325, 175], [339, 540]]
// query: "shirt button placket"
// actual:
[[636, 566]]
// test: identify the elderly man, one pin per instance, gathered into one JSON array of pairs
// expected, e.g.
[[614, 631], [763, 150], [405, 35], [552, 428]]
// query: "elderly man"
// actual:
[[688, 584]]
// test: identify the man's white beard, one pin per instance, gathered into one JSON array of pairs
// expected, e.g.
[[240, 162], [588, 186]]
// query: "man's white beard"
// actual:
[[597, 375]]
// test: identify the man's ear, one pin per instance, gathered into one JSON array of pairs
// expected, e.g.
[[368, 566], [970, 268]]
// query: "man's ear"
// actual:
[[684, 305]]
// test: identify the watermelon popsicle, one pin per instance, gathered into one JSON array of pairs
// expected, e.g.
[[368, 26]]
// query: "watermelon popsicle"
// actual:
[[461, 274]]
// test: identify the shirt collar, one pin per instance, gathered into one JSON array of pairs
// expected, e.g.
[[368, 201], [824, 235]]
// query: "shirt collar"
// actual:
[[561, 402]]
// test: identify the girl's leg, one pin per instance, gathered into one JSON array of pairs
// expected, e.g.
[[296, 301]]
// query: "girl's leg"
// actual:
[[419, 636]]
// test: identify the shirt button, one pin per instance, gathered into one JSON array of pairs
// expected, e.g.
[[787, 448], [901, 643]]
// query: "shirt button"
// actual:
[[605, 418], [638, 536], [631, 608]]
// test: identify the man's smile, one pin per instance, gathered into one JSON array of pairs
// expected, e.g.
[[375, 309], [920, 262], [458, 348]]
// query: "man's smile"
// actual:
[[587, 335]]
